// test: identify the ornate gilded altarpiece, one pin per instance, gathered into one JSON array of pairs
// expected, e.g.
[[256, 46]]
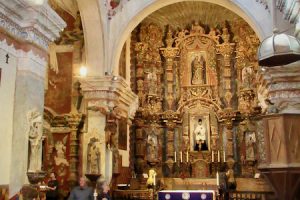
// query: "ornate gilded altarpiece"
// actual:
[[198, 102]]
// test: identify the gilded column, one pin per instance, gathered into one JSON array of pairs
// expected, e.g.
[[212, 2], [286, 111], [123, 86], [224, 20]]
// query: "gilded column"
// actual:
[[74, 120], [140, 49], [169, 53], [170, 116], [226, 50], [139, 148]]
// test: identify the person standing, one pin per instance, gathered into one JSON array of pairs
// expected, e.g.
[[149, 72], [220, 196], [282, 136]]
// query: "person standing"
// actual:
[[81, 192], [52, 193]]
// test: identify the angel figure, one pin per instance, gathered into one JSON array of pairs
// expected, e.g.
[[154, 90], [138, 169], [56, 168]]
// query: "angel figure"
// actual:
[[60, 147]]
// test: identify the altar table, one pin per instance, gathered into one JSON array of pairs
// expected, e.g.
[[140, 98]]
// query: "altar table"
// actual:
[[186, 195]]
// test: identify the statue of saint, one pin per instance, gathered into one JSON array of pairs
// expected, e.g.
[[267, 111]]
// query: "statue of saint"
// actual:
[[247, 76], [200, 137], [152, 82], [196, 28], [35, 138], [152, 148], [198, 71], [94, 159], [250, 143]]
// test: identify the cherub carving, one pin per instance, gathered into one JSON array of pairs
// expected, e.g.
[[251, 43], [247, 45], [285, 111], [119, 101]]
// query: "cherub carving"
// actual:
[[60, 147]]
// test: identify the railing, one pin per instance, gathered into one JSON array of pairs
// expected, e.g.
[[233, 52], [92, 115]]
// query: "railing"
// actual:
[[240, 195], [133, 195]]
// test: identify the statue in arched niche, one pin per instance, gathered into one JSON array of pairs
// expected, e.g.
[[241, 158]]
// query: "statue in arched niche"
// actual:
[[152, 81], [93, 157], [247, 76], [198, 70]]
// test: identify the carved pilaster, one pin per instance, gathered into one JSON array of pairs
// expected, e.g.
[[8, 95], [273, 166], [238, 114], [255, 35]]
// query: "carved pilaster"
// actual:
[[140, 48], [169, 53], [226, 50], [139, 147], [170, 118], [74, 120], [228, 116]]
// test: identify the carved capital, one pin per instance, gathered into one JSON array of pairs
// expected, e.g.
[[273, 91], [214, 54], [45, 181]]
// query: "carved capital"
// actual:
[[73, 120]]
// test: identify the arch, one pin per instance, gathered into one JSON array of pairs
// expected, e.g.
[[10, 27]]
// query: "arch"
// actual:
[[94, 33], [258, 18], [203, 101]]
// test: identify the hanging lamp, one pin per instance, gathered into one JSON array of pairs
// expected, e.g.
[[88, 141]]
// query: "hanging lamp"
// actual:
[[278, 49]]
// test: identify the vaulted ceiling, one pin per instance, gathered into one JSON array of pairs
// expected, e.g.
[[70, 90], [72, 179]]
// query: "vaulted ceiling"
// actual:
[[178, 15]]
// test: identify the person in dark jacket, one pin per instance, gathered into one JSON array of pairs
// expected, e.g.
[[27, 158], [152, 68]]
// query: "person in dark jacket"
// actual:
[[52, 193]]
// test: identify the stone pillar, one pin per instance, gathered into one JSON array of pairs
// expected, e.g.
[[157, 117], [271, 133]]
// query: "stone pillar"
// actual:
[[281, 130], [74, 121], [24, 46], [109, 99]]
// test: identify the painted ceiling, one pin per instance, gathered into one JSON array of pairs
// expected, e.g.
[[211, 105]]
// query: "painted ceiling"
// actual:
[[180, 14]]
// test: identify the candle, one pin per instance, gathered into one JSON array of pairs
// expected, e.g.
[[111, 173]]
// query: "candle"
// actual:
[[180, 156], [224, 156], [218, 179], [154, 179], [175, 156], [187, 156], [218, 156], [212, 156]]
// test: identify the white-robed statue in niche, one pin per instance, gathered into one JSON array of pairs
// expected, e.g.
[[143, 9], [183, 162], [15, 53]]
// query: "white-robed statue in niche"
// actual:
[[200, 133], [35, 133]]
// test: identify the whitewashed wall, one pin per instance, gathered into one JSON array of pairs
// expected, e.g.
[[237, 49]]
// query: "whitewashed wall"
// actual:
[[7, 92]]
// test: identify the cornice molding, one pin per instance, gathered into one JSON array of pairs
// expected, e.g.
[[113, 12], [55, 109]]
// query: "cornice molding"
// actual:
[[35, 24], [110, 91], [27, 61]]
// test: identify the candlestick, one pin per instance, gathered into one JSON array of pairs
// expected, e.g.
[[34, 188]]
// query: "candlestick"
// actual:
[[180, 156], [212, 156], [224, 156], [218, 156], [187, 156], [175, 156], [218, 179]]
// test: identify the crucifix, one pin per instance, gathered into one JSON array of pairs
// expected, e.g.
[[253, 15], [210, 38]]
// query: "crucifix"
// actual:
[[7, 57]]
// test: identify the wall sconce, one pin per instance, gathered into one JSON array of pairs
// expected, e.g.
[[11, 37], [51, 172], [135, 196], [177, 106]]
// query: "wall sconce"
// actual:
[[83, 71]]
